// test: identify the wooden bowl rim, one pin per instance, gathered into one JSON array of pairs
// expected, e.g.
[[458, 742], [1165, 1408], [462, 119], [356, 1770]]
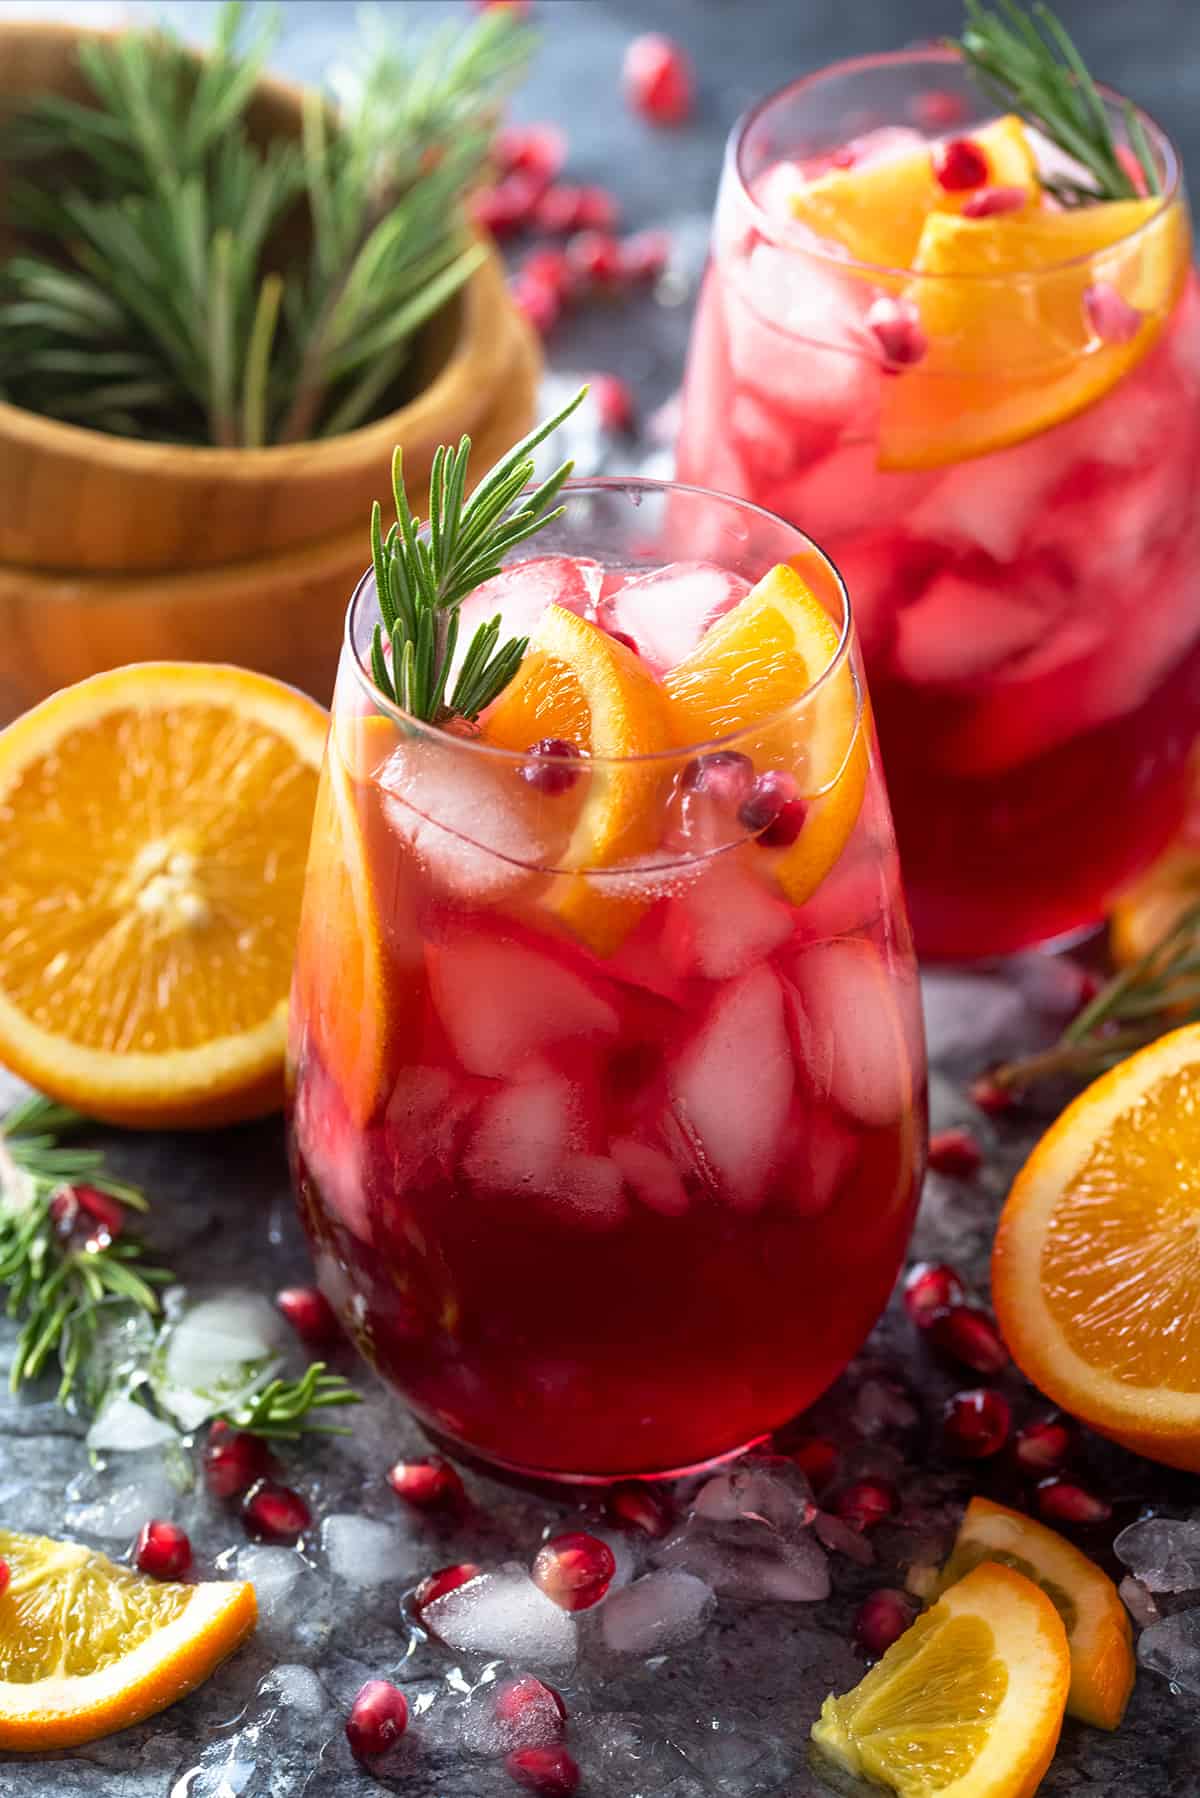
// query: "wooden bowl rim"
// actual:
[[445, 393]]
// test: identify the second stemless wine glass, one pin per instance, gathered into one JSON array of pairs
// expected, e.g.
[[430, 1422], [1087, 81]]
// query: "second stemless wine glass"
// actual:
[[607, 1141], [999, 448]]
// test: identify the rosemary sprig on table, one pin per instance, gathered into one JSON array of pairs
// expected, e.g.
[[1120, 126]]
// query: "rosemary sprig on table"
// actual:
[[424, 571], [287, 1409], [1157, 993], [1040, 74]]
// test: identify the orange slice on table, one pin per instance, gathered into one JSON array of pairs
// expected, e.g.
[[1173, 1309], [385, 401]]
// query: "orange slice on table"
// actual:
[[87, 1647], [967, 1704], [1096, 1264], [1096, 1622], [154, 826], [747, 675]]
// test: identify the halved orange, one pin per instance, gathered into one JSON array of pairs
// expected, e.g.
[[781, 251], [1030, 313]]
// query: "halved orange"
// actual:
[[87, 1647], [154, 825], [1096, 1263], [1096, 1622], [748, 675]]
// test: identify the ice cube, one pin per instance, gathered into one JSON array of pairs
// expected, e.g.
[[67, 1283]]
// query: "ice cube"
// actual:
[[667, 612], [520, 594], [748, 1534], [961, 631], [298, 1688], [849, 1023], [659, 1611], [1138, 1601], [504, 1613], [531, 1719], [275, 1574], [216, 1350], [120, 1509], [991, 502], [475, 825], [653, 1176], [122, 1425], [774, 190], [825, 1153], [845, 492], [592, 1189], [362, 1552], [1163, 1552], [762, 1489], [796, 336], [870, 564], [1172, 1648], [732, 1086], [773, 444], [522, 1136], [733, 920], [501, 1002]]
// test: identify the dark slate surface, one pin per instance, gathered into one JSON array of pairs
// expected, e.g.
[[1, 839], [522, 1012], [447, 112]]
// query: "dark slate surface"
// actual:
[[729, 1714]]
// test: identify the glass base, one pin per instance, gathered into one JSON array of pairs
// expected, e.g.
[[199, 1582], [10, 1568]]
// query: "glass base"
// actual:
[[551, 1481]]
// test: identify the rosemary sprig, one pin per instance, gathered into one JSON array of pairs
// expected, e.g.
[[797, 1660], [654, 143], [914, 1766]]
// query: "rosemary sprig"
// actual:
[[1155, 994], [424, 571], [287, 1409], [1040, 74]]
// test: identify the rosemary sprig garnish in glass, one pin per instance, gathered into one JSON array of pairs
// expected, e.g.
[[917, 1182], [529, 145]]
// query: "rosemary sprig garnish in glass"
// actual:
[[1027, 62], [287, 1409], [423, 572]]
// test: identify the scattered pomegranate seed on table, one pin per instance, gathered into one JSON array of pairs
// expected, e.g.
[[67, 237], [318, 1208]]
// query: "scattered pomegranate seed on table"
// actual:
[[445, 1579], [598, 209], [1060, 1501], [162, 1549], [310, 1315], [818, 1460], [976, 1424], [537, 302], [233, 1460], [645, 255], [429, 1484], [930, 1288], [954, 1152], [553, 767], [575, 1570], [991, 202], [959, 165], [613, 402], [537, 151], [634, 1506], [992, 1098], [548, 1771], [595, 257], [378, 1718], [527, 1703], [864, 1503], [971, 1337], [897, 329], [564, 208], [506, 208], [549, 268], [274, 1512], [882, 1619], [657, 78], [1043, 1446]]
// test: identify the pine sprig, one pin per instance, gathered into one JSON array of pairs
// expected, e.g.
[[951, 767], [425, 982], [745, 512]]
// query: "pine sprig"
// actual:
[[287, 1409], [423, 572], [1027, 63]]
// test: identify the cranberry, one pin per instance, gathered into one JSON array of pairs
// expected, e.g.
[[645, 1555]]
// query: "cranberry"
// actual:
[[991, 202], [233, 1460], [976, 1424], [771, 792], [818, 1460], [991, 1097], [959, 164], [635, 1506], [548, 1771], [595, 257], [556, 767], [162, 1549], [446, 1579], [954, 1152], [526, 1707], [1042, 1446], [275, 1512], [622, 637], [507, 208], [575, 1569], [971, 1337], [937, 107], [378, 1718], [1110, 315], [725, 774], [428, 1485], [897, 329], [537, 303], [657, 78], [1062, 1502], [613, 401], [882, 1619], [536, 151], [549, 268], [310, 1315], [864, 1503], [930, 1288], [645, 255]]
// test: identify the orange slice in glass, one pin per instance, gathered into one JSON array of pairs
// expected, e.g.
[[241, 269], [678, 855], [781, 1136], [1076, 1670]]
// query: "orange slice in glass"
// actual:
[[154, 826], [1096, 1264]]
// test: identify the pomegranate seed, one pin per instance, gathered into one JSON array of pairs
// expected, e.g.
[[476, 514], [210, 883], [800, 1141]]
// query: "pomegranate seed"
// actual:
[[613, 401], [595, 256], [233, 1460], [954, 1152], [864, 1503], [4, 1577], [645, 255], [548, 1771], [990, 202], [549, 268], [622, 637], [275, 1512], [771, 794], [971, 1337], [992, 1098], [976, 1424], [959, 164], [446, 1579], [1110, 315], [537, 303], [575, 1570], [74, 1208], [310, 1315], [536, 151], [557, 765], [882, 1619], [634, 1506], [427, 1484], [527, 1707], [657, 78], [726, 774], [1062, 1502], [930, 1288], [818, 1460], [1043, 1445], [507, 208], [897, 329], [938, 107], [162, 1549], [378, 1718], [596, 210], [560, 210]]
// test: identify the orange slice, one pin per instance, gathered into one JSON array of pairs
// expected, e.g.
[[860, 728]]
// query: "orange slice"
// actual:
[[87, 1647], [1096, 1622], [1011, 349], [744, 675], [967, 1704], [154, 824], [1096, 1263], [878, 212], [1145, 912]]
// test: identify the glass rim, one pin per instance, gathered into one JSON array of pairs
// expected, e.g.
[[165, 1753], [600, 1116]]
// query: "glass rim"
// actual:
[[934, 54], [579, 485]]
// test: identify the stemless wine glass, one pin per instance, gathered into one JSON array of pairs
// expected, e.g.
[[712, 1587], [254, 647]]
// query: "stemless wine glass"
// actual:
[[608, 1156], [1002, 459]]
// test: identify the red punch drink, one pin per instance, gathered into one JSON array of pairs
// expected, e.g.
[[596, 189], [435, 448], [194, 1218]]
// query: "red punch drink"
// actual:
[[608, 1067], [984, 402]]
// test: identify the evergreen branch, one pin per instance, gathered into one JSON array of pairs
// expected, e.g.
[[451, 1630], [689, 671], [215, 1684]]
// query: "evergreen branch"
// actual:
[[287, 1409]]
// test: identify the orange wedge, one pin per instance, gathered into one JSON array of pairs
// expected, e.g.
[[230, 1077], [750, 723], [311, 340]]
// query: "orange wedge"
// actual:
[[747, 675], [1096, 1264], [1096, 1622], [877, 212], [967, 1704], [154, 824], [87, 1647]]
